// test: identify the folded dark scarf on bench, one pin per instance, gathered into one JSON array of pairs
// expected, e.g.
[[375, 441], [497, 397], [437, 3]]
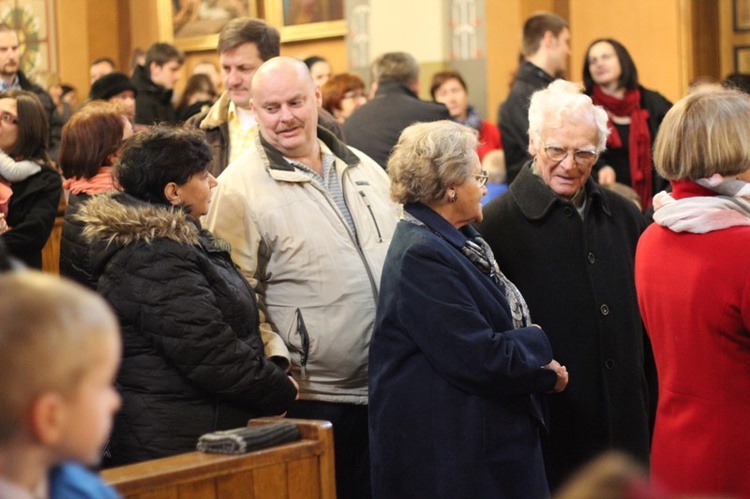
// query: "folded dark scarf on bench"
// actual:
[[241, 440]]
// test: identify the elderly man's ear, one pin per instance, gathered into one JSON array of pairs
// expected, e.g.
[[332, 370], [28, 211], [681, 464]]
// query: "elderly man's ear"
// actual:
[[534, 140]]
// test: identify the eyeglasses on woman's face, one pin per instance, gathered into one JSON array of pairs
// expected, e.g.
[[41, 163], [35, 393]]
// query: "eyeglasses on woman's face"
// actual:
[[8, 118], [482, 177], [354, 95], [582, 157]]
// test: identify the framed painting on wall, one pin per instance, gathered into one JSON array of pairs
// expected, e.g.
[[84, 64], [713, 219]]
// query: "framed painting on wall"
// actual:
[[34, 21], [195, 24], [306, 19], [741, 15]]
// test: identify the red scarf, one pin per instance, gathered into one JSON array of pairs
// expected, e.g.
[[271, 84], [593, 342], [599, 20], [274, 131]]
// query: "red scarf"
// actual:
[[639, 144], [101, 182]]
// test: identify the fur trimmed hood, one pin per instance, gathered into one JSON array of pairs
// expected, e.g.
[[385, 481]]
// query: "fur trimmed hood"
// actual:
[[218, 113], [122, 219]]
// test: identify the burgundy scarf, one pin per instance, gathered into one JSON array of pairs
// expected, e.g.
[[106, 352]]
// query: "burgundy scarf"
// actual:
[[639, 145]]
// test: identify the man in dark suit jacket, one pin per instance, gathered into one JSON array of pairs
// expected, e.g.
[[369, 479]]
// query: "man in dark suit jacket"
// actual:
[[375, 127]]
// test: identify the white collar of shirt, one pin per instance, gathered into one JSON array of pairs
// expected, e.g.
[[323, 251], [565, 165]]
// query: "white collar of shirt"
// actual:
[[242, 117]]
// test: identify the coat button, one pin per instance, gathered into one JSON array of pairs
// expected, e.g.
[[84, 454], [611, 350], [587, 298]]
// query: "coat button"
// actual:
[[591, 258], [568, 211], [604, 309], [609, 364]]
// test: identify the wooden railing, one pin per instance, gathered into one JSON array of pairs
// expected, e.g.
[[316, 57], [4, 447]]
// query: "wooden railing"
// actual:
[[51, 250], [296, 470]]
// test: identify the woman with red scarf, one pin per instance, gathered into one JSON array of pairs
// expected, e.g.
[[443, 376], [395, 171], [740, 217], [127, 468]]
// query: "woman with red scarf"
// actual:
[[635, 113], [91, 140], [692, 275]]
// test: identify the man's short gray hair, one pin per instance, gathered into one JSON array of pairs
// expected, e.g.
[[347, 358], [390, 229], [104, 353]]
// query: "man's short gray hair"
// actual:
[[429, 158], [562, 101], [398, 67]]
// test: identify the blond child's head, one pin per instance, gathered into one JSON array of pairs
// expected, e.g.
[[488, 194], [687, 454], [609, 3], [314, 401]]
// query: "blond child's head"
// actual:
[[59, 352]]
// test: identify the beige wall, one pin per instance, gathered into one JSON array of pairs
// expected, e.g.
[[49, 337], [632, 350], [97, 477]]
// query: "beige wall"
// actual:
[[504, 23], [419, 28], [87, 29], [73, 41]]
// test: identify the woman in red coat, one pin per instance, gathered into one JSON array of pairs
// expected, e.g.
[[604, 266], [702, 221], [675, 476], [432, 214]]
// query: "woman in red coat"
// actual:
[[693, 280]]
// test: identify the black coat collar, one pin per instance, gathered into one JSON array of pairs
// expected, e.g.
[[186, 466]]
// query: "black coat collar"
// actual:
[[535, 199]]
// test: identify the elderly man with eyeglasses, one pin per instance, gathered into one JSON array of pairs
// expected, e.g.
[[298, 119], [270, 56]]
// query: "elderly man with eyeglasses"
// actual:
[[569, 245]]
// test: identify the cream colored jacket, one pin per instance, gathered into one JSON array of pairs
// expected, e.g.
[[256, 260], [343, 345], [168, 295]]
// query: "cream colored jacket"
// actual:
[[317, 282]]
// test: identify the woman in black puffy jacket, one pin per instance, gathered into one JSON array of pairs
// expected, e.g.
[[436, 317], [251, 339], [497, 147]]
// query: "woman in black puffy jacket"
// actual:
[[193, 358]]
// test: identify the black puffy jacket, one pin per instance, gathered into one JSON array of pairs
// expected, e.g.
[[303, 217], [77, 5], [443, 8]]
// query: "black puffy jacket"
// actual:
[[31, 216], [193, 359], [75, 252]]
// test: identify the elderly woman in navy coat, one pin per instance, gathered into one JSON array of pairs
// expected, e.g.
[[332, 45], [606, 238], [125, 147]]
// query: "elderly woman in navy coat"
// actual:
[[456, 367]]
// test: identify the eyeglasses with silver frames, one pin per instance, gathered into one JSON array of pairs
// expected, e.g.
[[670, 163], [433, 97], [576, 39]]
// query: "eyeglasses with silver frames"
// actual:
[[581, 157]]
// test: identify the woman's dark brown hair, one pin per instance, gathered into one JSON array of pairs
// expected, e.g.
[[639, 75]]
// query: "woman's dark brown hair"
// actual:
[[629, 74], [90, 138], [33, 127], [439, 78]]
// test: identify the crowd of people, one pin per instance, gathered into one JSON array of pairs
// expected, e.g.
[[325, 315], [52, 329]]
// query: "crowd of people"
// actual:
[[285, 240]]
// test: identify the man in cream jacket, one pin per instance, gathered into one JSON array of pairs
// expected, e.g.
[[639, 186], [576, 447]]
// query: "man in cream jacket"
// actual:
[[310, 220]]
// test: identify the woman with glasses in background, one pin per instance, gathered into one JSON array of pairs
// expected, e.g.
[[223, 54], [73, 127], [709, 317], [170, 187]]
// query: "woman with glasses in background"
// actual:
[[32, 202], [343, 94], [456, 366]]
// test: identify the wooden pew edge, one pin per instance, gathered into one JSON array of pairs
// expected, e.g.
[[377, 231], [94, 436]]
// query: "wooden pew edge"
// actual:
[[317, 440]]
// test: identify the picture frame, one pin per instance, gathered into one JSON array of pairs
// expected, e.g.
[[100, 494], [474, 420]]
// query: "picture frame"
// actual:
[[306, 19], [194, 25], [741, 15], [742, 59], [34, 22]]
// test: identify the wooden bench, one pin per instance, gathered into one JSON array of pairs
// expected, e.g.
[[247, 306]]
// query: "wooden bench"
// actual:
[[51, 250], [300, 469]]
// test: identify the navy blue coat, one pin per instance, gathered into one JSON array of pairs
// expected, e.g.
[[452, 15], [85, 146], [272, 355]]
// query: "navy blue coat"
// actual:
[[451, 410]]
